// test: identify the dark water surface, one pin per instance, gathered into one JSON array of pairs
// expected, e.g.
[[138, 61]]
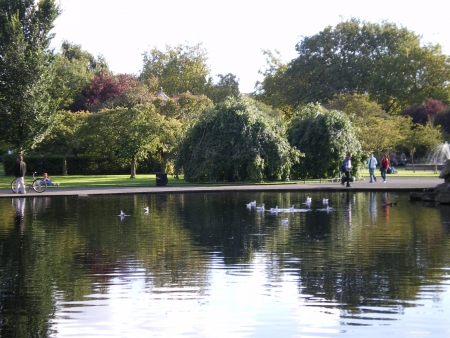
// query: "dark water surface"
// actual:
[[204, 265]]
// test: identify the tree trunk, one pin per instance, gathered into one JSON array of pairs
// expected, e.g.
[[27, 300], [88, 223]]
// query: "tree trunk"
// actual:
[[133, 167], [64, 166], [412, 160]]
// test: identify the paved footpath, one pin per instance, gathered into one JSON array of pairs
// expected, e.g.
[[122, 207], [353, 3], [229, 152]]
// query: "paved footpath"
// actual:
[[392, 184]]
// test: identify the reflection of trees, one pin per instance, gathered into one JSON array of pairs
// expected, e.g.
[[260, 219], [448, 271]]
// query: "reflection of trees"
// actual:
[[366, 264], [72, 247], [26, 301]]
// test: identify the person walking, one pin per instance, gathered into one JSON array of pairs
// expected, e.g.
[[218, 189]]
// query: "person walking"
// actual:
[[372, 164], [384, 167], [19, 172], [346, 167]]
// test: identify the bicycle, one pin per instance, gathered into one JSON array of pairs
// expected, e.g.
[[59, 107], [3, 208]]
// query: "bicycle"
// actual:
[[38, 184]]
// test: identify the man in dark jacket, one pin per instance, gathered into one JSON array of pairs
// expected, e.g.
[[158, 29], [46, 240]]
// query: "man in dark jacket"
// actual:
[[346, 167], [19, 171]]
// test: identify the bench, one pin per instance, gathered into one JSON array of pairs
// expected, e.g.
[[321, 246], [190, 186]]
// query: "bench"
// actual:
[[423, 167]]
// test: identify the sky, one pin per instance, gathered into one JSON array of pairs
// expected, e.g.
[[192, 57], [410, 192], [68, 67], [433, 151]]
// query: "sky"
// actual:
[[233, 32]]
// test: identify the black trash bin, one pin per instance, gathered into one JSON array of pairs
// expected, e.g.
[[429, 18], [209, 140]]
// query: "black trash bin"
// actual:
[[161, 179]]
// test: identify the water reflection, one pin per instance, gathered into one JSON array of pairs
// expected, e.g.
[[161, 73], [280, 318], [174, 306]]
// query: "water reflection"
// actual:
[[198, 264], [19, 205]]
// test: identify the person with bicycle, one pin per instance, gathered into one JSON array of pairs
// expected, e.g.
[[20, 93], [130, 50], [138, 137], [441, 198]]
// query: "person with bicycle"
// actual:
[[19, 171]]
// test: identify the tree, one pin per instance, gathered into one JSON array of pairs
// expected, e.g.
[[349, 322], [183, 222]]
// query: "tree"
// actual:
[[359, 107], [271, 90], [235, 142], [383, 60], [422, 135], [177, 70], [325, 136], [64, 138], [129, 134], [27, 110], [424, 112], [75, 69], [181, 113], [442, 118], [107, 91], [383, 135], [227, 86]]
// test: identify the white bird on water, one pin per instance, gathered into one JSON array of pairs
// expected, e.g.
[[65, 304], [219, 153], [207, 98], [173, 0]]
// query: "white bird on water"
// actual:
[[274, 209], [251, 204], [285, 221], [261, 208], [146, 210], [325, 201], [122, 215], [308, 199]]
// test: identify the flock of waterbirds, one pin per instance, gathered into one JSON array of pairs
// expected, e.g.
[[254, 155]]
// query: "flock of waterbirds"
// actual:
[[262, 208], [292, 209]]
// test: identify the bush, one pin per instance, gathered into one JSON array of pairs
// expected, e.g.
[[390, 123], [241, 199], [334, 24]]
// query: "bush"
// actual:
[[80, 165], [325, 136], [235, 142]]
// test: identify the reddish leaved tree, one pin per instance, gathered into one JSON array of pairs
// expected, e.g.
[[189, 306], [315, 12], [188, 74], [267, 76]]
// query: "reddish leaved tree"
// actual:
[[108, 91], [425, 111]]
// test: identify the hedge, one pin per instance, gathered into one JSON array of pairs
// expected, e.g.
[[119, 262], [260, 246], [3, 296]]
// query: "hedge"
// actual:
[[79, 165]]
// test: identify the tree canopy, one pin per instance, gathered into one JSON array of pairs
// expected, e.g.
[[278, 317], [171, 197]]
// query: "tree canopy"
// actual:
[[386, 61], [75, 69], [129, 134], [425, 111], [325, 136], [235, 142], [27, 110], [177, 70]]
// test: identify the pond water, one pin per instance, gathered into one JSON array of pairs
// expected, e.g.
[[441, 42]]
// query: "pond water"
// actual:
[[205, 265]]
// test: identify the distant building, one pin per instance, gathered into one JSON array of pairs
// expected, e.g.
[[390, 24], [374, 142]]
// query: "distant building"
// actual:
[[161, 95]]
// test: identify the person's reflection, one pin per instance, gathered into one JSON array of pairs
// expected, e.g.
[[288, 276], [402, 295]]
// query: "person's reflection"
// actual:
[[385, 204], [348, 209], [373, 212], [19, 205]]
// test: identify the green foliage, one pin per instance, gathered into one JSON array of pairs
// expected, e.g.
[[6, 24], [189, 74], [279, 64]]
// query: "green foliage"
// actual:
[[177, 70], [181, 112], [359, 107], [442, 118], [236, 142], [81, 165], [383, 60], [325, 136], [383, 134], [75, 69], [129, 134], [272, 89], [422, 136], [64, 138], [228, 86], [27, 110]]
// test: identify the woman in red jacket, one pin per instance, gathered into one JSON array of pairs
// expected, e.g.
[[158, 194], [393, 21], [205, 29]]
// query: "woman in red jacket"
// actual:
[[384, 167]]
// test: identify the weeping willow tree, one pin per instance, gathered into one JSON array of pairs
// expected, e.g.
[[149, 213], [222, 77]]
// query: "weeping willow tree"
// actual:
[[236, 141], [325, 136]]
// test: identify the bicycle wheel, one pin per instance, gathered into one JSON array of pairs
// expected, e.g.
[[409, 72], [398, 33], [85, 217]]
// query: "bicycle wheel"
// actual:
[[14, 186], [39, 185]]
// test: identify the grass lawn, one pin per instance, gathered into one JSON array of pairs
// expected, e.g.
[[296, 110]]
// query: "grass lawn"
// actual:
[[405, 173], [149, 180]]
